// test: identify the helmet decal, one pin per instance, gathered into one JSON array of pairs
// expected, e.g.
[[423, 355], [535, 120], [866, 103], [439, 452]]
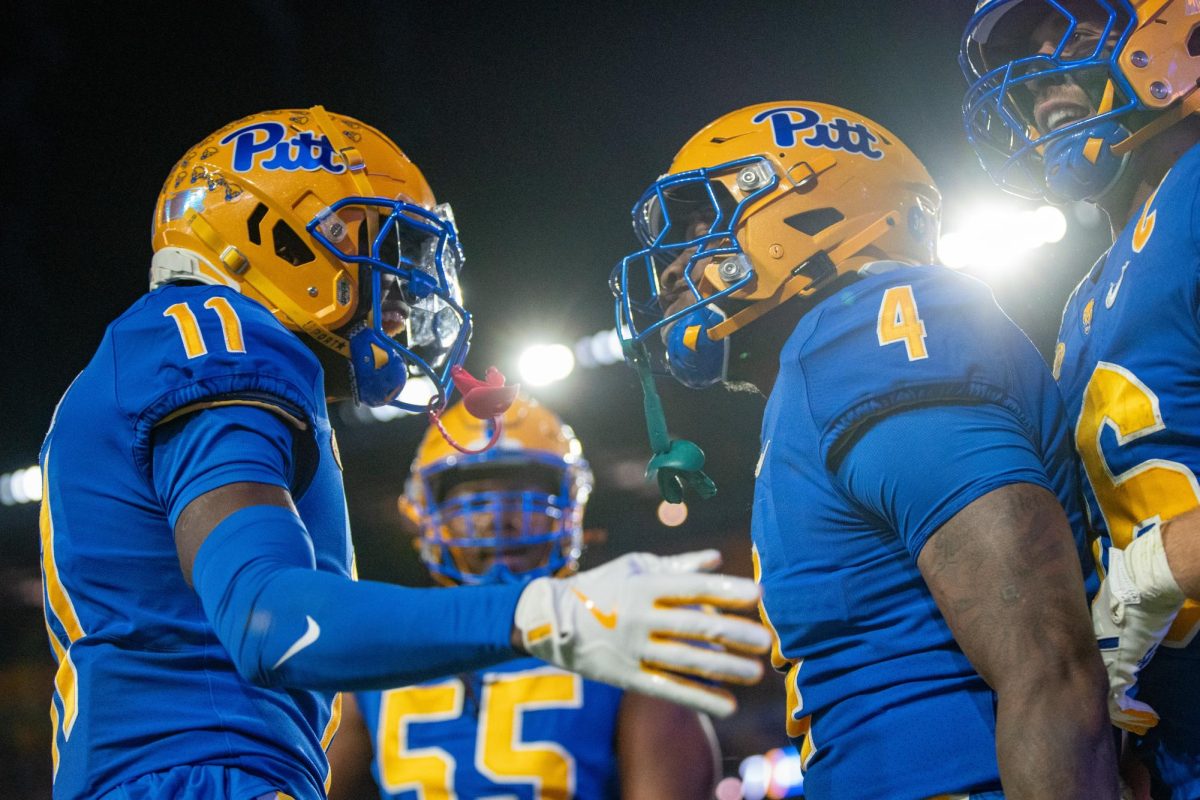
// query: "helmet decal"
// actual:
[[837, 134], [306, 150]]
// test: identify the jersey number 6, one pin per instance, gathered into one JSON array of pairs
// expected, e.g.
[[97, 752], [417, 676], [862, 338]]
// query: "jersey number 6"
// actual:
[[1154, 490]]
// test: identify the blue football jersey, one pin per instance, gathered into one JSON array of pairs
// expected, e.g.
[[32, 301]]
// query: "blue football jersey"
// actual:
[[143, 685], [1128, 362], [881, 701], [522, 730]]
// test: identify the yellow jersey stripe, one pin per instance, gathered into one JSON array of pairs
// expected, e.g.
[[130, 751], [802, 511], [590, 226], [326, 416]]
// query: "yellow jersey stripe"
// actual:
[[53, 740], [66, 680], [66, 683], [777, 659], [60, 603], [335, 721]]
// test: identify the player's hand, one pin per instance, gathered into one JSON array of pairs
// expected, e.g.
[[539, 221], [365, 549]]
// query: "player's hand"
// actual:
[[1129, 627], [652, 624]]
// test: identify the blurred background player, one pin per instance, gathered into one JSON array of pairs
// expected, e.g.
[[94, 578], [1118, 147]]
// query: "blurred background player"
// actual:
[[196, 553], [909, 528], [1096, 101], [522, 729]]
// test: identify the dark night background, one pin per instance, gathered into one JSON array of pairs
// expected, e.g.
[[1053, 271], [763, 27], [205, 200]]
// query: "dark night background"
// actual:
[[541, 124]]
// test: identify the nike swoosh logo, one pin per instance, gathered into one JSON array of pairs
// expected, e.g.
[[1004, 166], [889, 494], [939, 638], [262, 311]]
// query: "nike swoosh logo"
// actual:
[[310, 636], [1113, 288], [607, 619]]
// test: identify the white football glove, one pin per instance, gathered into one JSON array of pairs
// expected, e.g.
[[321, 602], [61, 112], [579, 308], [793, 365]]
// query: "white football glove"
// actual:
[[1135, 606], [652, 624]]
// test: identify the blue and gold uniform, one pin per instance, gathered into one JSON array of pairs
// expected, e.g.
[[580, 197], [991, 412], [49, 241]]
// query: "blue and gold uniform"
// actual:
[[1128, 363], [522, 730], [143, 685], [900, 400]]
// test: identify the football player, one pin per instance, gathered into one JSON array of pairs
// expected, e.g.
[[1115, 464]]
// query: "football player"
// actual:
[[915, 525], [196, 557], [1095, 100], [509, 515]]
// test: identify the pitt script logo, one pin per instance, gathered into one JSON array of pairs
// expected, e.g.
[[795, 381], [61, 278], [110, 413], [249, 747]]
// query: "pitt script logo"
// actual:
[[836, 134], [305, 151]]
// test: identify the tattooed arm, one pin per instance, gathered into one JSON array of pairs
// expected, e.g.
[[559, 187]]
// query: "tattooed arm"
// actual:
[[1005, 574]]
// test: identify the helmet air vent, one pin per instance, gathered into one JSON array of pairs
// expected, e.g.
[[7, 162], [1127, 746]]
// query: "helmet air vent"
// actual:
[[256, 218], [810, 223]]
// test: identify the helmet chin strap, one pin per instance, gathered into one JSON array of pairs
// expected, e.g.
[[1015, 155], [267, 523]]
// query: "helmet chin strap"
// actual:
[[486, 399], [1188, 104], [1089, 154], [677, 463]]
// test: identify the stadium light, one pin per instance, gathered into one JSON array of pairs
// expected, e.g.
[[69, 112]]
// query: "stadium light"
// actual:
[[418, 390], [773, 775], [21, 486], [996, 237], [543, 364], [599, 350]]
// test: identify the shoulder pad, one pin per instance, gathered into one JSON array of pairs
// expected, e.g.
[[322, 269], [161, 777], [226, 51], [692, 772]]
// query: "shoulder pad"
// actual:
[[907, 338], [185, 347]]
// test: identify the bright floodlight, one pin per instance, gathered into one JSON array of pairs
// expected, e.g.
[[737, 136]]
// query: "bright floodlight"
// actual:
[[22, 486], [672, 514], [543, 364], [32, 479], [417, 391], [1052, 224], [997, 237]]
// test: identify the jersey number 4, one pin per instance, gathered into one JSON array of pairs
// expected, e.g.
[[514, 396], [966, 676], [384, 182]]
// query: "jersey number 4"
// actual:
[[899, 322], [189, 326]]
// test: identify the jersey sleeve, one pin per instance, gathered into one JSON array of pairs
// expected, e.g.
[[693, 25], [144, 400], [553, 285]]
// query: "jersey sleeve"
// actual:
[[206, 450], [922, 337], [915, 470], [190, 348]]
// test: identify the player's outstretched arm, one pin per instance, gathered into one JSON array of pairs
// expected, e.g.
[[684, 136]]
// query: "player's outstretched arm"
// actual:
[[1005, 574], [251, 561], [633, 622]]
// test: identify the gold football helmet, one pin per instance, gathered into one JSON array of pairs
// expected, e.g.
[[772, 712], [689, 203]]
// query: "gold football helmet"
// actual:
[[513, 512], [322, 219], [767, 203]]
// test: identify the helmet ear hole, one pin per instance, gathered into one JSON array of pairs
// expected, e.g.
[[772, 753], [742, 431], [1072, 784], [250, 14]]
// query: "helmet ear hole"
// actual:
[[1193, 42], [289, 246]]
